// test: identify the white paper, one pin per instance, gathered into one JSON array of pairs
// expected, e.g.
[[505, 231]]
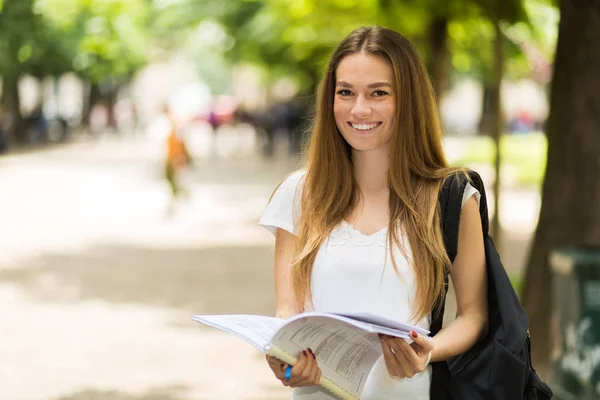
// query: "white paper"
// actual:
[[379, 320], [345, 353], [402, 331], [346, 348], [254, 329]]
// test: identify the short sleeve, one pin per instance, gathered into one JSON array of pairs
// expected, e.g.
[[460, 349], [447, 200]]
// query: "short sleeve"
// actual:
[[470, 191], [284, 206]]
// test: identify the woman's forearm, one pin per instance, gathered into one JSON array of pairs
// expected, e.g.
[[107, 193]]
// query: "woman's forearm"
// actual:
[[458, 337]]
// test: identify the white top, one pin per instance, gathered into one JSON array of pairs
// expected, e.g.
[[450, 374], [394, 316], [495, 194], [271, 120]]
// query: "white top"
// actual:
[[354, 273]]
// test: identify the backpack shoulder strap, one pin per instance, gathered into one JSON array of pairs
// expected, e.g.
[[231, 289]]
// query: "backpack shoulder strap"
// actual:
[[450, 201], [450, 206]]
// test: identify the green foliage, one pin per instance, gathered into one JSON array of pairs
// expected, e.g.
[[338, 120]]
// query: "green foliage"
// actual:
[[22, 37], [113, 38], [295, 38], [469, 57], [510, 11], [106, 38], [517, 282], [96, 38]]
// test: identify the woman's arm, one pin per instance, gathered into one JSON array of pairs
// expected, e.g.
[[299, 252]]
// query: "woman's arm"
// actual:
[[470, 284], [469, 277], [285, 299], [306, 371]]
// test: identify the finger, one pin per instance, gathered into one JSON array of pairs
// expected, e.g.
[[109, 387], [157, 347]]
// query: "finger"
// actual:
[[307, 372], [307, 376], [389, 358], [314, 379], [394, 369], [416, 362], [279, 371], [277, 366], [274, 362], [395, 345], [425, 343], [297, 369]]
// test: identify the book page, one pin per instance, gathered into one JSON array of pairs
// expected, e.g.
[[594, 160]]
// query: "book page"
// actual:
[[385, 322], [254, 329], [401, 330], [345, 353]]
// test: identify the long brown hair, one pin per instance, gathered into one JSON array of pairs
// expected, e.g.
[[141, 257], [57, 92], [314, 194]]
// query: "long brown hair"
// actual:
[[417, 167]]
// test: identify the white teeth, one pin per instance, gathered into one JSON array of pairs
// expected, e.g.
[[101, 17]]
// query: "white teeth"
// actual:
[[364, 127]]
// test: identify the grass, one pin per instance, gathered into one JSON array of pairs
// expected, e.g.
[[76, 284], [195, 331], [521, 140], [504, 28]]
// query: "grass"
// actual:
[[517, 282], [523, 155]]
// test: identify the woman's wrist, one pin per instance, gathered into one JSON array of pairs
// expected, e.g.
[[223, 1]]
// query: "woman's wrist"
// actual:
[[435, 352], [456, 338], [428, 360]]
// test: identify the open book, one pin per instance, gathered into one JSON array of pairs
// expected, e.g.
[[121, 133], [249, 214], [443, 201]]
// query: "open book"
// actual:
[[346, 345]]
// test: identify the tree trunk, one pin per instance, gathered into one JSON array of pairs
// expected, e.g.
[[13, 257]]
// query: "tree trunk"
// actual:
[[497, 125], [486, 121], [440, 56], [569, 215], [111, 99], [93, 96], [16, 130]]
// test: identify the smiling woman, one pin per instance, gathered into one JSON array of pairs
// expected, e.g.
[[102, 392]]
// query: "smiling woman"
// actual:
[[364, 104], [359, 230]]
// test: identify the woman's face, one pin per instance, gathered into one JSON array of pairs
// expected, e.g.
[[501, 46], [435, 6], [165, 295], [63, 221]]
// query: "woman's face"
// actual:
[[364, 105]]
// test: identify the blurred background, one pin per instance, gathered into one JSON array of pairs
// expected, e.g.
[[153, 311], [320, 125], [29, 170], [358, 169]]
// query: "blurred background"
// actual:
[[106, 253]]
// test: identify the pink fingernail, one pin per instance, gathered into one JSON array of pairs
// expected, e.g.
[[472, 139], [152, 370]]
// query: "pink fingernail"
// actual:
[[413, 334]]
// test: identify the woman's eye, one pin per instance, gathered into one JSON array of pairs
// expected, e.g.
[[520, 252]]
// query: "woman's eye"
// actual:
[[344, 92], [379, 93]]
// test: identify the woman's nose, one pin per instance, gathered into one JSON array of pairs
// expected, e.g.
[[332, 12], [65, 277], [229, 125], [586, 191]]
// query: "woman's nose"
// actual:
[[361, 108]]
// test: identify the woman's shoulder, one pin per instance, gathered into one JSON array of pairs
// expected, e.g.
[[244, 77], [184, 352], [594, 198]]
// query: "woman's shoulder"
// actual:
[[283, 207], [292, 182], [295, 177], [460, 177], [290, 187], [462, 183]]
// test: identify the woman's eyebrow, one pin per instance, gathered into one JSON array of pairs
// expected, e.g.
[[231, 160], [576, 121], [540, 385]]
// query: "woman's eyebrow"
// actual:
[[370, 86]]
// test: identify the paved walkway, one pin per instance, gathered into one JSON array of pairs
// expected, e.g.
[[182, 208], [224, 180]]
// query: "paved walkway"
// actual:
[[97, 285]]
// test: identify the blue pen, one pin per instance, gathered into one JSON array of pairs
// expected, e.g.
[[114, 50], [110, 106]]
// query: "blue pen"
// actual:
[[288, 372]]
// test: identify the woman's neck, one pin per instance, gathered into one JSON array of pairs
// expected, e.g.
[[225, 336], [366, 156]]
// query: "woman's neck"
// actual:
[[371, 171]]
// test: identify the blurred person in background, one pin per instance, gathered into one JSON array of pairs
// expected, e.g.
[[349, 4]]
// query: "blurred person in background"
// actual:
[[125, 117], [37, 125], [98, 119], [358, 230], [177, 160], [222, 112]]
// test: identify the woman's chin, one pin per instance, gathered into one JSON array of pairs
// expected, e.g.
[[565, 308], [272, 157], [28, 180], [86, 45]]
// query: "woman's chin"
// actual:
[[366, 147]]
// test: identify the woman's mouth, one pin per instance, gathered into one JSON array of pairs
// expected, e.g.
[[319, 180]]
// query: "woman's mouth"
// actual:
[[364, 127]]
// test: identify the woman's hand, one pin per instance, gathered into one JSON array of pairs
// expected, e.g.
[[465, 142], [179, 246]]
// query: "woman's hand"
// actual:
[[305, 372], [405, 360]]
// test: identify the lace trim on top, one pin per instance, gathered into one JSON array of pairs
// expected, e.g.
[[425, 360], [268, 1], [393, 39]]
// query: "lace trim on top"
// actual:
[[346, 233]]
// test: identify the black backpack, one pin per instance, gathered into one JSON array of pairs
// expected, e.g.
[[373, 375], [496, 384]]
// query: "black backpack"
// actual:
[[498, 367]]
